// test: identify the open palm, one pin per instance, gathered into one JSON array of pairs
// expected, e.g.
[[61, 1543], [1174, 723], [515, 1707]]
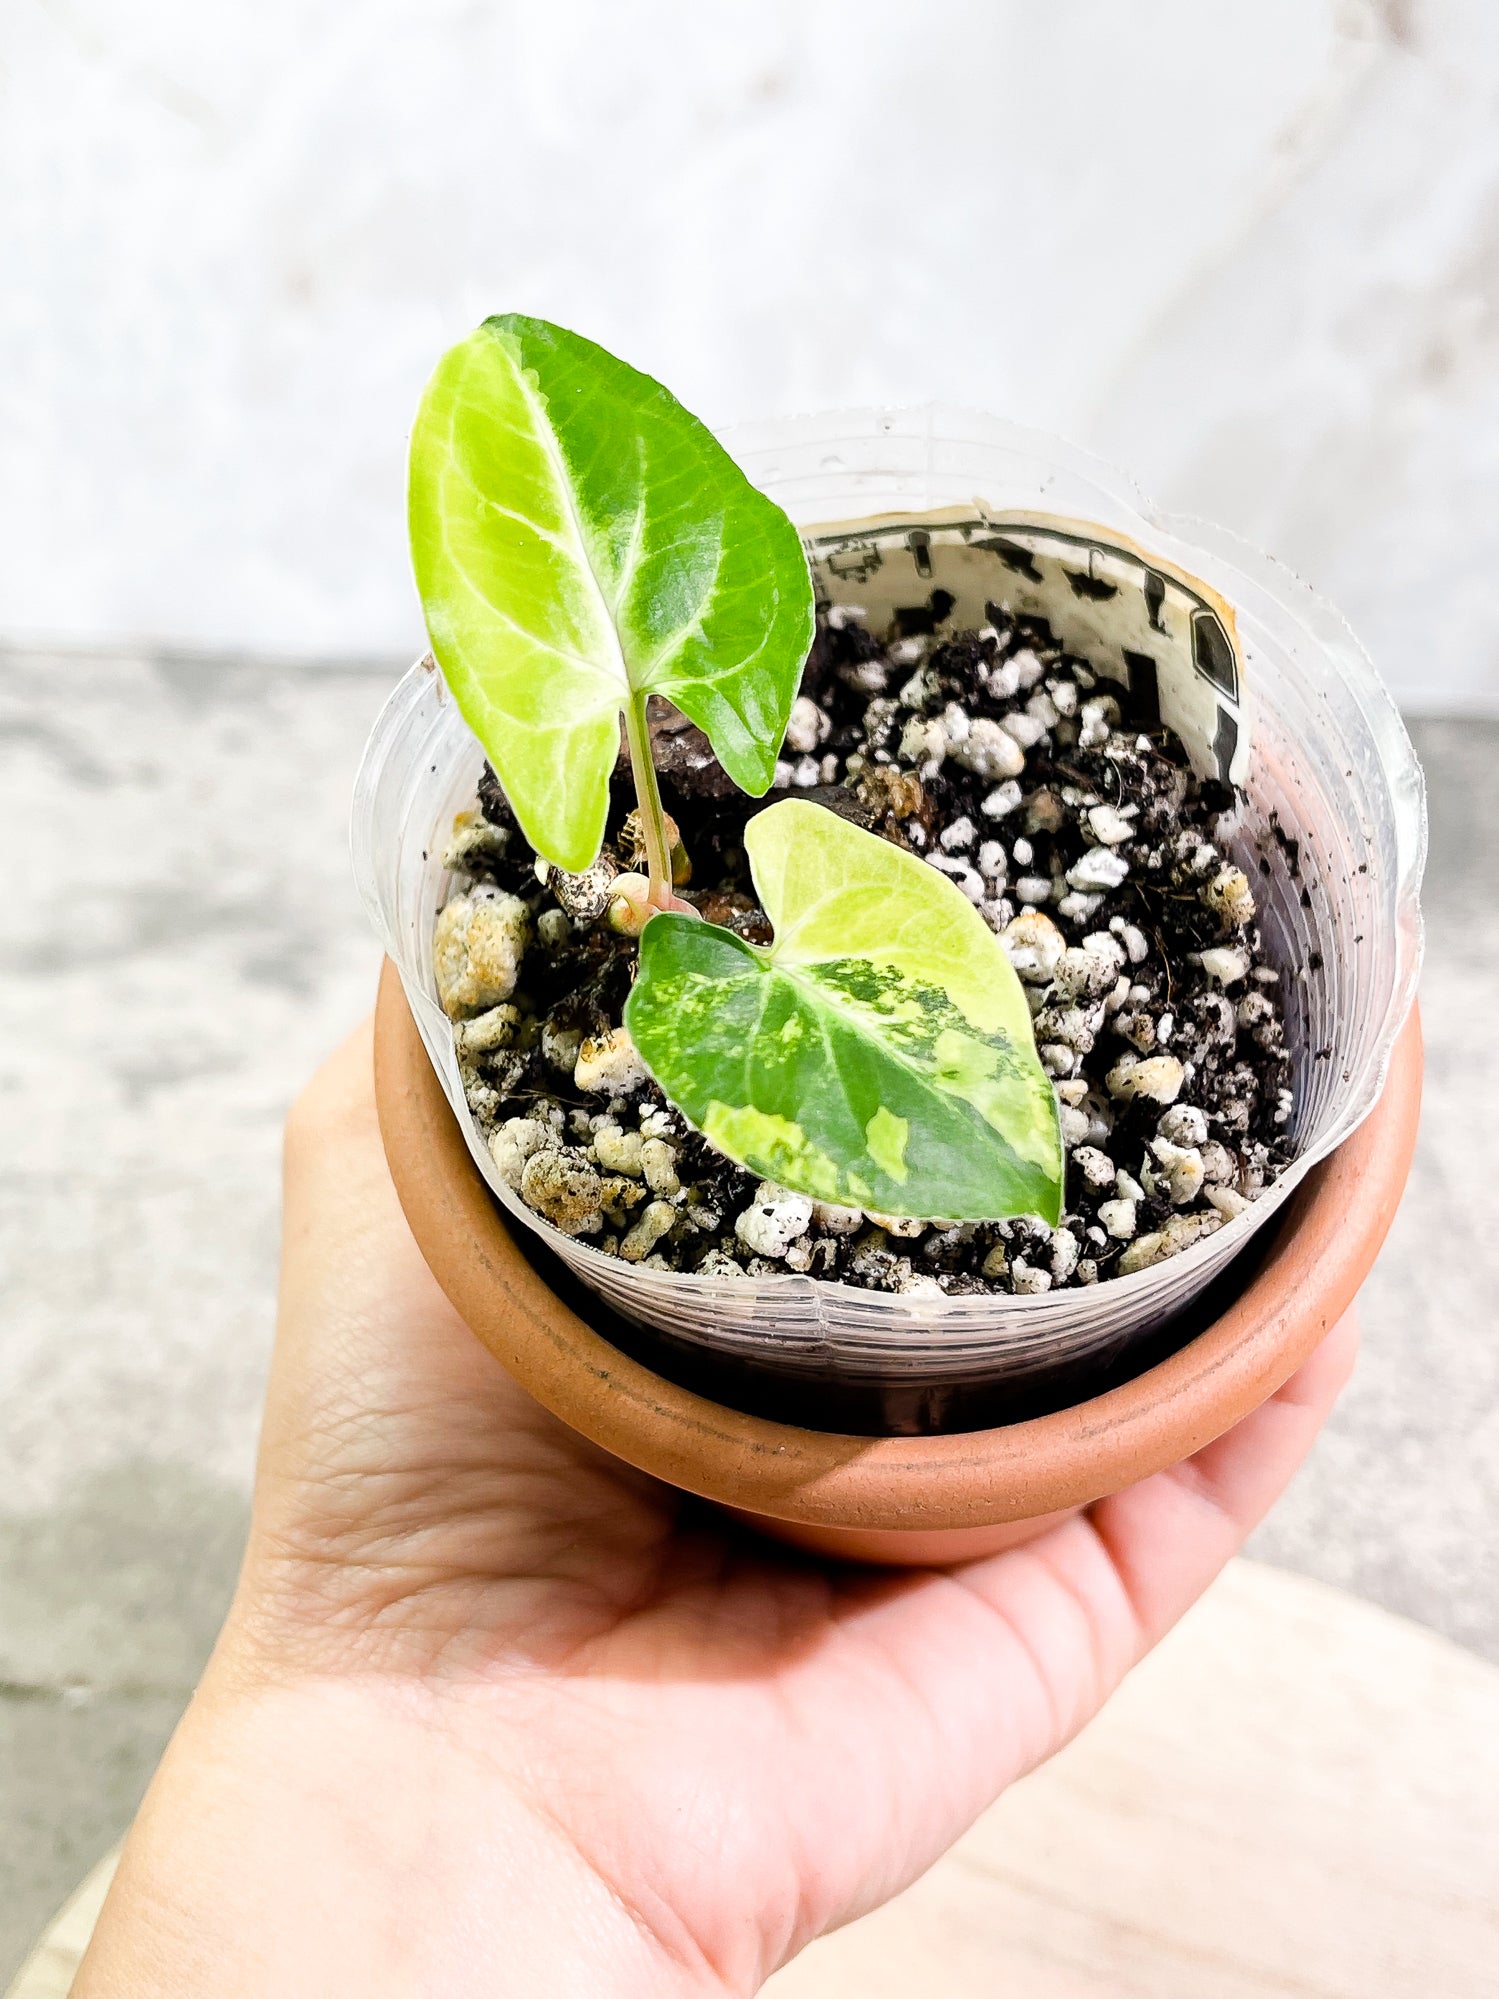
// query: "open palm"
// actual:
[[476, 1616]]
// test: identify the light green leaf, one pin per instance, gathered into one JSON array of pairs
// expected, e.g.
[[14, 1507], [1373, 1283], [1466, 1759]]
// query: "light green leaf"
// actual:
[[878, 1053], [579, 542]]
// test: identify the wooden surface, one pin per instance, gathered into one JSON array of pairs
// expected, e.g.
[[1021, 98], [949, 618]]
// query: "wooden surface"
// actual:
[[48, 1972], [1295, 1797]]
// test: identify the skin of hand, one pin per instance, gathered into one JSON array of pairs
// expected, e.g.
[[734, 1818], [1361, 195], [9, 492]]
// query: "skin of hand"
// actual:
[[494, 1713]]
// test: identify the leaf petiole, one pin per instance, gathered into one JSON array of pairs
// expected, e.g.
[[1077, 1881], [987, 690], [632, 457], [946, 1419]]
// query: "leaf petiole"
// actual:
[[648, 798]]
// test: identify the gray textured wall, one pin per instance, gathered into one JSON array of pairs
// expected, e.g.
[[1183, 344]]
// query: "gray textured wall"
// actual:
[[1248, 249]]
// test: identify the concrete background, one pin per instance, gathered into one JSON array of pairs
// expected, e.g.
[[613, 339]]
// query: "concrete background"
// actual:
[[1251, 250]]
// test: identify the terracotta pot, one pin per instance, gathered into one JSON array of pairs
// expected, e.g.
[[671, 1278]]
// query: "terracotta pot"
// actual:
[[890, 1499]]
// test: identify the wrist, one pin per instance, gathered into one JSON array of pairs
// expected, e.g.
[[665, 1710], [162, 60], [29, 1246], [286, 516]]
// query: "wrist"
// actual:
[[328, 1838]]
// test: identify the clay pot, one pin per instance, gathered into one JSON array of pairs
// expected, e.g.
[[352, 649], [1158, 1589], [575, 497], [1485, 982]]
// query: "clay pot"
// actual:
[[890, 1499]]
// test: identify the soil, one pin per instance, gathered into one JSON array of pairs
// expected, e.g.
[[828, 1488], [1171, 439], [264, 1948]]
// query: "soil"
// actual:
[[1089, 846]]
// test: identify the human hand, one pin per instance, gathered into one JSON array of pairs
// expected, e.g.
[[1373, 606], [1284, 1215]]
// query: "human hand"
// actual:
[[494, 1712]]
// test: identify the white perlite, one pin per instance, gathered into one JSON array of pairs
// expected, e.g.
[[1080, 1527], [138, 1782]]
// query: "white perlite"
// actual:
[[1180, 1171], [1118, 1217], [836, 1220], [1096, 718], [486, 1032], [1159, 1077], [1184, 1124], [477, 947], [989, 751], [584, 896], [564, 1186], [1225, 964], [1100, 869], [1230, 898], [956, 725], [960, 873], [1093, 1164], [658, 1163], [718, 1263], [514, 1143], [1001, 801], [560, 1046], [1135, 943], [1034, 946], [909, 1227], [610, 1065], [1088, 971], [1065, 1250], [923, 744], [616, 1150], [774, 1220], [1228, 1201], [1026, 730], [1109, 826], [808, 726], [1178, 1234], [654, 1223], [1076, 1126]]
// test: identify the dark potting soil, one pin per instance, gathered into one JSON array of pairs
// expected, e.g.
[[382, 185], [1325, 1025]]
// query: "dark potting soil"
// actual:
[[1089, 846]]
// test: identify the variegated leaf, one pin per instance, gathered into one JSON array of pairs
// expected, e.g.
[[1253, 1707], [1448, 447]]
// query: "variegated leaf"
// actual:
[[878, 1054], [581, 541]]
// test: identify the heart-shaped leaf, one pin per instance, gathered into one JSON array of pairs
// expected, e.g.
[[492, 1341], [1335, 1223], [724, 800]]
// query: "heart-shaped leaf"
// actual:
[[879, 1054], [580, 541]]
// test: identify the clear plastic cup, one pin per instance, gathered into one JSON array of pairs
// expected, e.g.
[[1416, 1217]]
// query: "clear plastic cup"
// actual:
[[1330, 758]]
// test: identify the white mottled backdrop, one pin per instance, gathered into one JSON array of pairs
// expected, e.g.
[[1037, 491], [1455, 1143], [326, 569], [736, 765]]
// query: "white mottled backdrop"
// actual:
[[1248, 248]]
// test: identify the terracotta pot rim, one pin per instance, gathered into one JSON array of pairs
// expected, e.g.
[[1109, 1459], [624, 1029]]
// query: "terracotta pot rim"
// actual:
[[1327, 1239]]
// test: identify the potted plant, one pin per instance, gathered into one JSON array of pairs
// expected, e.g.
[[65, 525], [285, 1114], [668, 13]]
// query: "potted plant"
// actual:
[[936, 1095]]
